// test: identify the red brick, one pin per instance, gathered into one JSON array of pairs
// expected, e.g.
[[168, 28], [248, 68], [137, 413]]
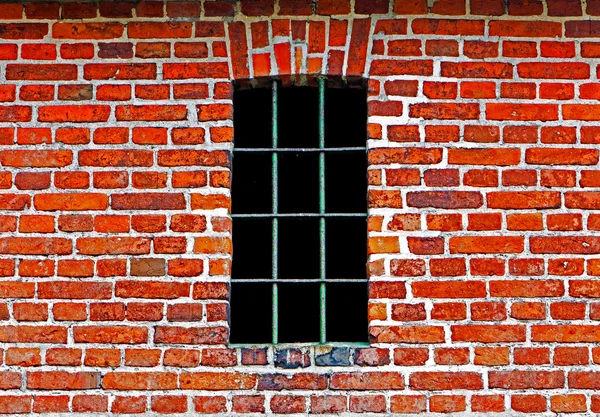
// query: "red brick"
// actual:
[[534, 403], [527, 29], [212, 404], [488, 333], [528, 311], [502, 111]]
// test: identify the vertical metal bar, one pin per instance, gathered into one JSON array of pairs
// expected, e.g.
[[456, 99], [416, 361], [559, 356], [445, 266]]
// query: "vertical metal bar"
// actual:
[[274, 224], [322, 266]]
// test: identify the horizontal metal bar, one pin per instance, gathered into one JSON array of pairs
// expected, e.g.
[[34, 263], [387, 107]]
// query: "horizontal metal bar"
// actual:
[[298, 281], [278, 215], [346, 149]]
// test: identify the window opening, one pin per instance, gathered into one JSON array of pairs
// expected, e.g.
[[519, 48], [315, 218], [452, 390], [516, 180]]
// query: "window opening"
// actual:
[[299, 215]]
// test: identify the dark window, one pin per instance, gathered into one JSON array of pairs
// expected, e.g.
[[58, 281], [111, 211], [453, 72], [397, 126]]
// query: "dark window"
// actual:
[[299, 215]]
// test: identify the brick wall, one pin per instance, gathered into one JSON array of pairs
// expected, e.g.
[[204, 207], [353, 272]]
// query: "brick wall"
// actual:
[[115, 132]]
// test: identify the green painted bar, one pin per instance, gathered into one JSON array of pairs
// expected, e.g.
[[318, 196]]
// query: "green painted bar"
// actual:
[[275, 221], [301, 280], [322, 268], [280, 215], [295, 150]]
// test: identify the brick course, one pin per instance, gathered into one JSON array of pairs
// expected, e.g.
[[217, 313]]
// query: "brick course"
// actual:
[[115, 239]]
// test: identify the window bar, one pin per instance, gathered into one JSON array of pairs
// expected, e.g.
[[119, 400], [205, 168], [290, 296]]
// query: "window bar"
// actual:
[[296, 150], [288, 215], [322, 268], [274, 224], [301, 280]]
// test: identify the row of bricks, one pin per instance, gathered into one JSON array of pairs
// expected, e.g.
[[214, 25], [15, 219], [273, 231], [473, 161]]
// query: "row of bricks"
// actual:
[[484, 333], [508, 200], [112, 245], [114, 30], [485, 356], [513, 134], [117, 71], [114, 92], [116, 311], [457, 267], [484, 49], [485, 221], [449, 111], [478, 266], [61, 158], [82, 290], [531, 29], [353, 381], [176, 9], [180, 9], [436, 90], [99, 201], [467, 69], [108, 357], [478, 289], [484, 311], [367, 357], [113, 50], [364, 357], [31, 223], [471, 156], [291, 404], [94, 113], [317, 30], [139, 267], [114, 180], [114, 135], [477, 178], [480, 244], [115, 334]]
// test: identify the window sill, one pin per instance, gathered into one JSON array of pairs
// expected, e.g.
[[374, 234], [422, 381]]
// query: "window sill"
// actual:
[[301, 355]]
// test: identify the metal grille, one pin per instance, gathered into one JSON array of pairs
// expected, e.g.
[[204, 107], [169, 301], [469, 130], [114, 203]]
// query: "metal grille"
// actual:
[[275, 215]]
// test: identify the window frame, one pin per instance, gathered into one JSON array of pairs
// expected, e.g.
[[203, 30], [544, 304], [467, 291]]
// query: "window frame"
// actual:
[[322, 280]]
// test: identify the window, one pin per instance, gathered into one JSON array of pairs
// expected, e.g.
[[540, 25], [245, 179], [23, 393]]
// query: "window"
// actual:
[[299, 215]]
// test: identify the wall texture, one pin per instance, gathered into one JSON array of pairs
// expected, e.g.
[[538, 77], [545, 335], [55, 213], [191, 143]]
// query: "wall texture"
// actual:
[[115, 132]]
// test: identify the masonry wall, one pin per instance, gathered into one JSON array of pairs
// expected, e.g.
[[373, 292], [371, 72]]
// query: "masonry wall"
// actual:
[[116, 131]]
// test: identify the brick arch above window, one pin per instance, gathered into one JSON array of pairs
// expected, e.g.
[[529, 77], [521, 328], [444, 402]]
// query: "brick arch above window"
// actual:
[[285, 47]]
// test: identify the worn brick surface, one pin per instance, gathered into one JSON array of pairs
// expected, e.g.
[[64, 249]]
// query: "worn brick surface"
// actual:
[[115, 237]]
